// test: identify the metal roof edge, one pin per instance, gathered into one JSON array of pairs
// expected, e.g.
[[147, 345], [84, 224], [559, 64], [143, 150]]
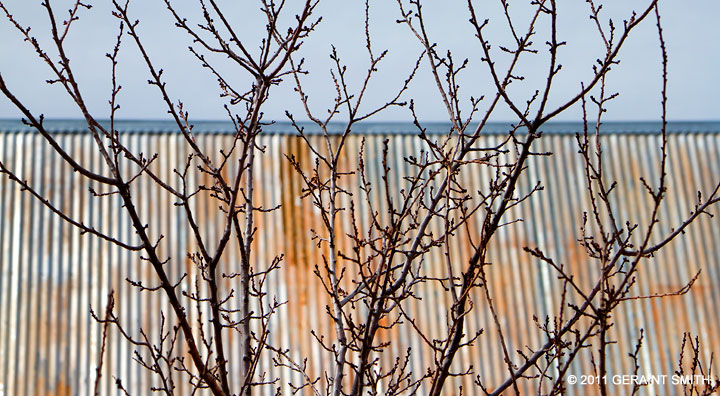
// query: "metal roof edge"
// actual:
[[370, 128]]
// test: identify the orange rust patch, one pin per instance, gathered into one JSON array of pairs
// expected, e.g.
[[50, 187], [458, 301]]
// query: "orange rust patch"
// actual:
[[62, 389]]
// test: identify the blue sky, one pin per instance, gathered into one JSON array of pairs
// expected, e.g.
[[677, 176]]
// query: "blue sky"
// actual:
[[689, 28]]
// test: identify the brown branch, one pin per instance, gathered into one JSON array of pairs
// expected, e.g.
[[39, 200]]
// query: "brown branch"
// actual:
[[38, 125], [83, 228], [105, 324]]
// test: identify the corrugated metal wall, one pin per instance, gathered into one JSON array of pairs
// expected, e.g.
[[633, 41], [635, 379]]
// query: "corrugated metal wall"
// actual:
[[51, 275]]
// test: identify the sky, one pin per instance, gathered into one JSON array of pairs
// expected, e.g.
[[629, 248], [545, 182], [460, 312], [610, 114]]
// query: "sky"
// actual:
[[690, 33]]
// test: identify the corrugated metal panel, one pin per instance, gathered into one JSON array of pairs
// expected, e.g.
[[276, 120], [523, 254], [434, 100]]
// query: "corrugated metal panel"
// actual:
[[51, 274]]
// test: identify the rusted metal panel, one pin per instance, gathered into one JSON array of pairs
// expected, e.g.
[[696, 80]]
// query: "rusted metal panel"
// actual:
[[51, 275]]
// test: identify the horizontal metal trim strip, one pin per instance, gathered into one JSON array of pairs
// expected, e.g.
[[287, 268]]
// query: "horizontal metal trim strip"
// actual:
[[369, 128]]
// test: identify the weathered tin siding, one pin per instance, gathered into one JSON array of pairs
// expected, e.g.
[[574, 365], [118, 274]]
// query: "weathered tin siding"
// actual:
[[51, 275]]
